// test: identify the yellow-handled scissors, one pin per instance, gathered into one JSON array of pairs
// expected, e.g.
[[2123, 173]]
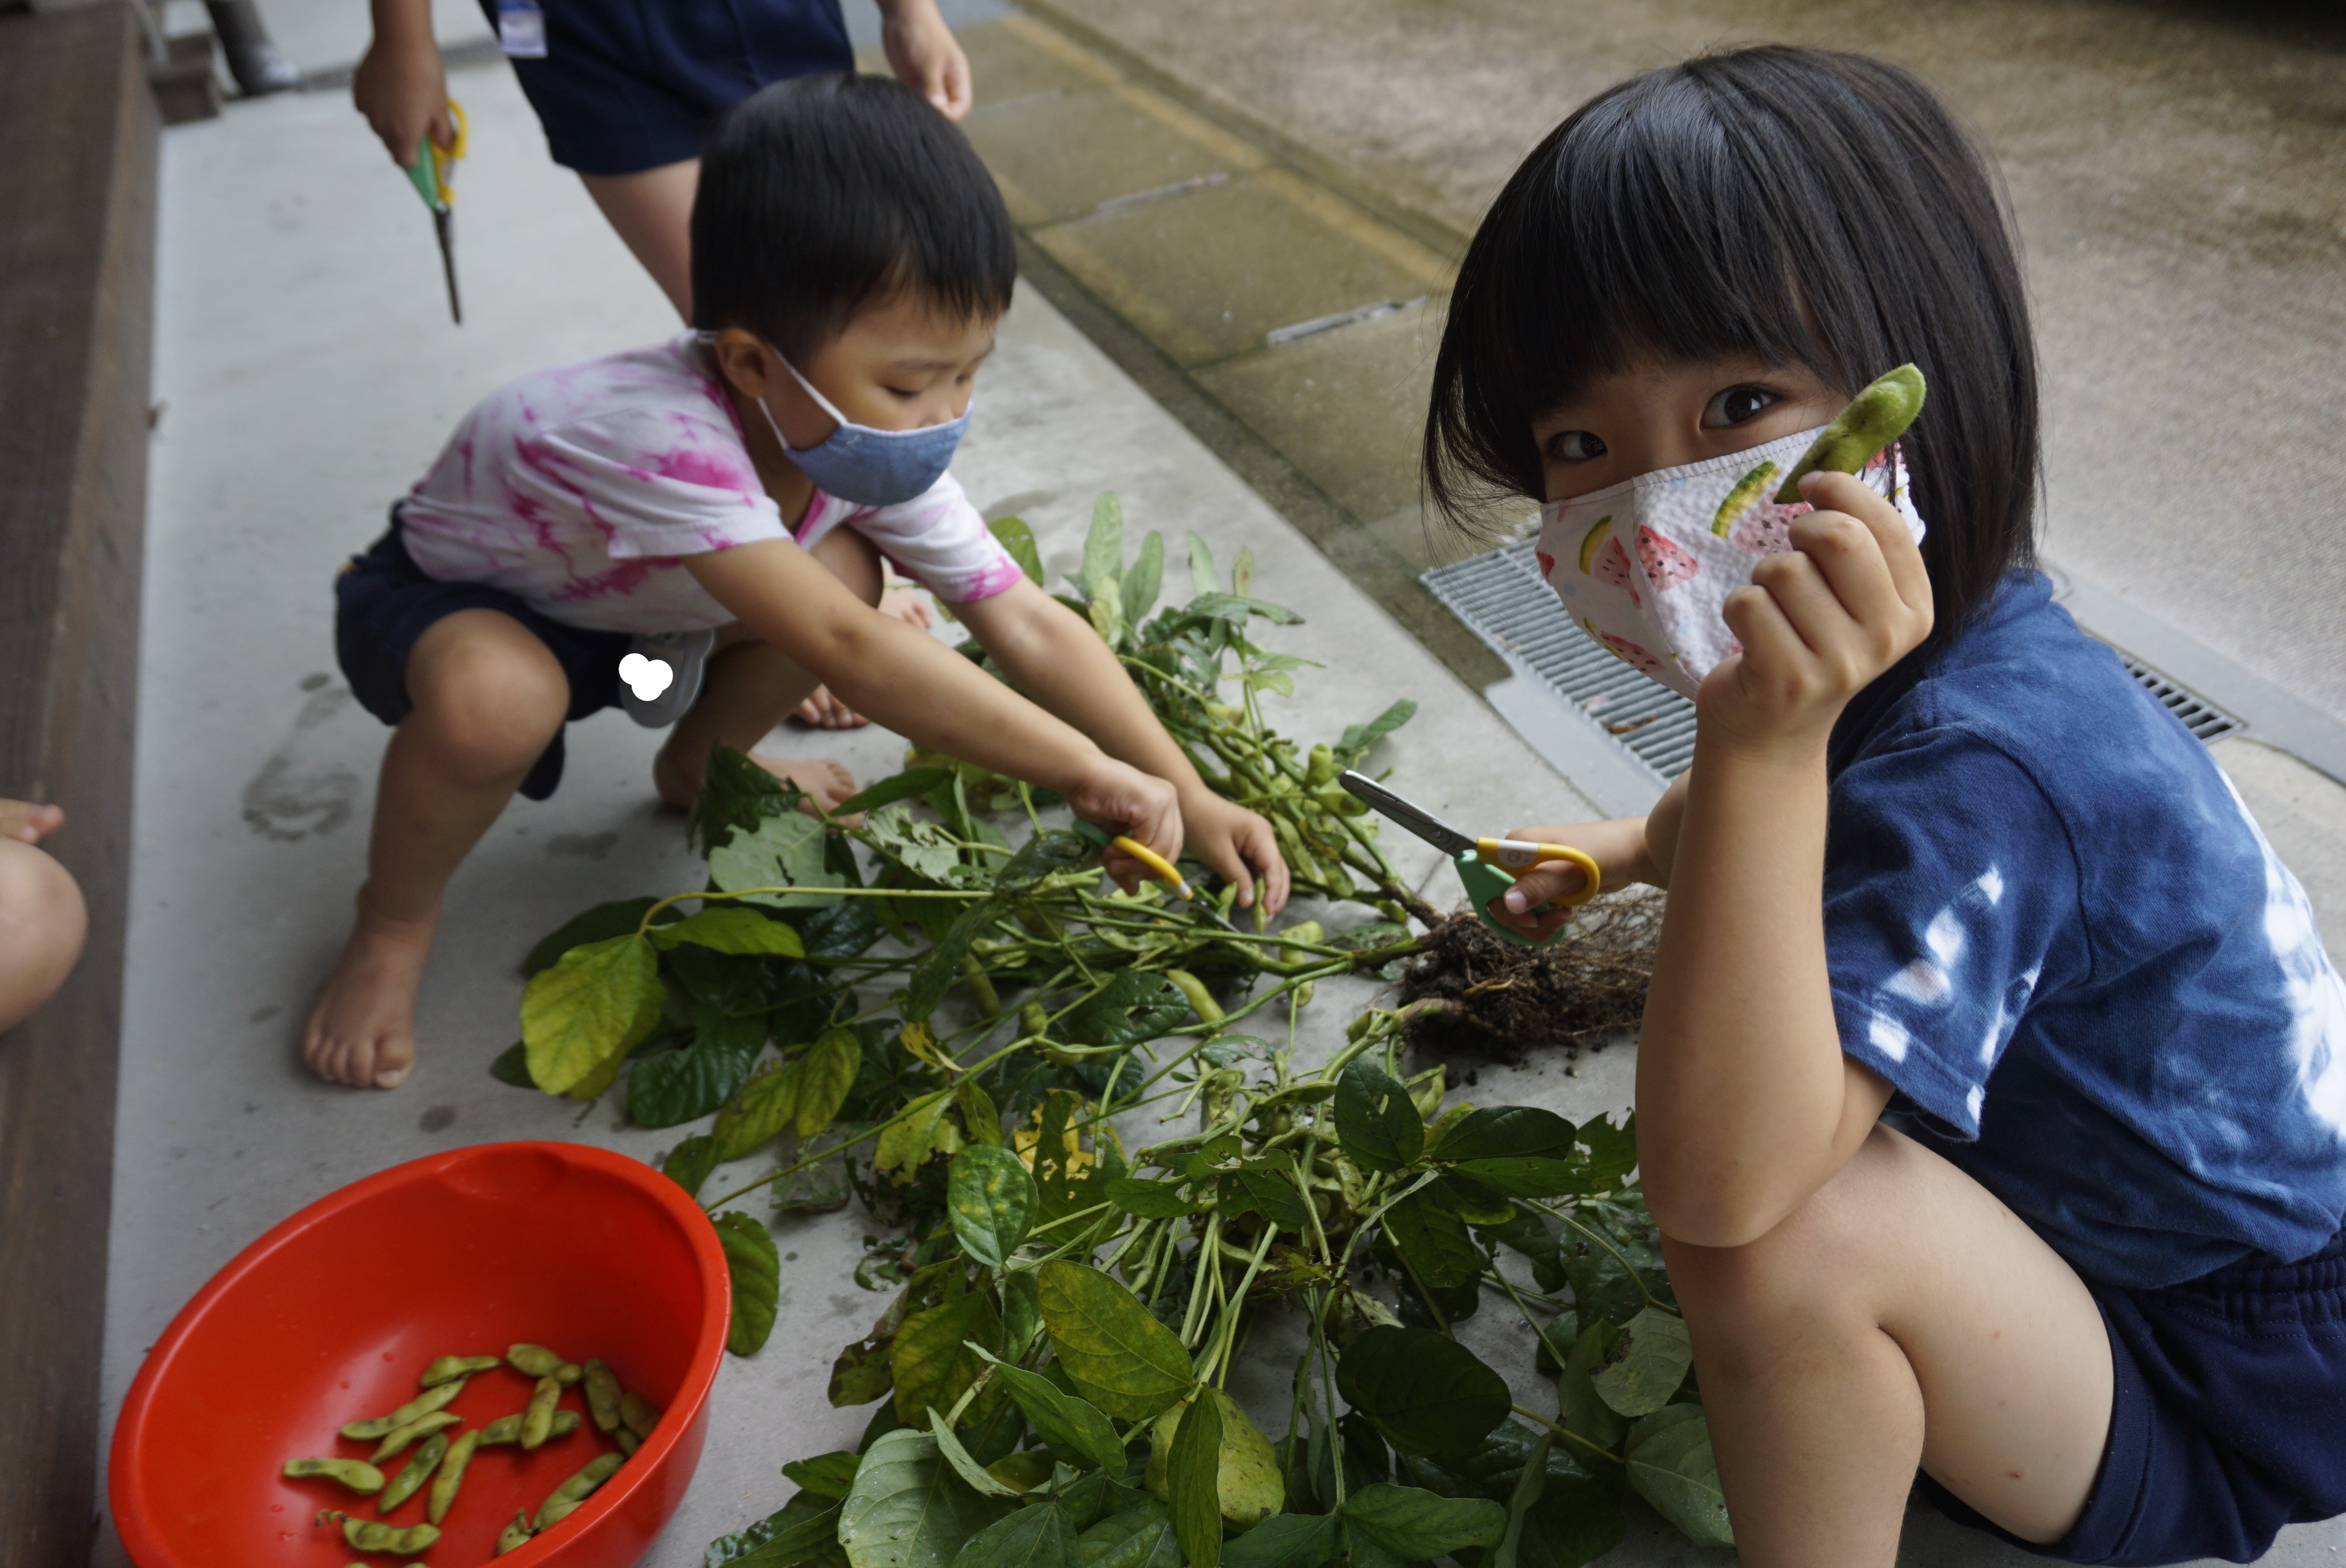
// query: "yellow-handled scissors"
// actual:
[[1158, 867], [434, 174], [1487, 866]]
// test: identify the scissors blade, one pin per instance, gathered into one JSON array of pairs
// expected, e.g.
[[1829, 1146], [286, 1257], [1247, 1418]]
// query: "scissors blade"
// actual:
[[443, 225], [1425, 824]]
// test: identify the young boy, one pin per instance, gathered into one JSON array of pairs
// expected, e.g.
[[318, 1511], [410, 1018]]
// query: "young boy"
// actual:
[[721, 502]]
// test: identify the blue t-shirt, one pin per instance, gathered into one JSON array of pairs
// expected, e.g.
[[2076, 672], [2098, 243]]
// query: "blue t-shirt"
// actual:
[[2053, 926]]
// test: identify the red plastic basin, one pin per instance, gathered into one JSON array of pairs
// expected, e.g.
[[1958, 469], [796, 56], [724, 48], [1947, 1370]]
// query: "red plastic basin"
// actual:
[[331, 1316]]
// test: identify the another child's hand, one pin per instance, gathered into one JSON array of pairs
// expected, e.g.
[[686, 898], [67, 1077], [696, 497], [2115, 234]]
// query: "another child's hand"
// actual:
[[925, 55], [1123, 800], [1617, 847], [1238, 843], [401, 88], [1820, 621], [28, 823]]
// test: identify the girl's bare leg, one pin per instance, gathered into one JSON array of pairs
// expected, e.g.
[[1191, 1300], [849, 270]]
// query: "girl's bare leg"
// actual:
[[43, 922], [488, 698], [1901, 1317], [652, 211], [752, 686]]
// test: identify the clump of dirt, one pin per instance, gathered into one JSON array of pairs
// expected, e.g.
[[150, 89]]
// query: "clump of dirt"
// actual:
[[1499, 1000]]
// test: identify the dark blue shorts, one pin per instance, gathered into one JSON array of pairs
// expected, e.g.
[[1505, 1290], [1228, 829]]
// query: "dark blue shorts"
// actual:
[[631, 85], [383, 601], [2228, 1419]]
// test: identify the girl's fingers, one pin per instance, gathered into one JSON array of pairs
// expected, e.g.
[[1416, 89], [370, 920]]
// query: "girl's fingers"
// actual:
[[1901, 556], [1539, 928], [1770, 646], [1555, 878], [1810, 606]]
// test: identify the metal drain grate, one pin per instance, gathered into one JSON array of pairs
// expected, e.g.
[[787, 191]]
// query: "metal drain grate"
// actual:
[[1502, 600]]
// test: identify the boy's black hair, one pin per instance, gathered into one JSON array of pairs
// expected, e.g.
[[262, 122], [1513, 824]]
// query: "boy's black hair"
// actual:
[[1803, 206], [823, 195]]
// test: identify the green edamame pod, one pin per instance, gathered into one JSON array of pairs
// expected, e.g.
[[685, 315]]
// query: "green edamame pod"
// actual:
[[1322, 769], [1193, 990], [628, 1441], [423, 1404], [576, 1490], [448, 1368], [535, 1361], [641, 1414], [516, 1535], [1873, 419], [602, 1395], [354, 1473], [1304, 992], [568, 1373], [537, 1420], [411, 1480], [375, 1535], [451, 1477], [396, 1443], [507, 1429]]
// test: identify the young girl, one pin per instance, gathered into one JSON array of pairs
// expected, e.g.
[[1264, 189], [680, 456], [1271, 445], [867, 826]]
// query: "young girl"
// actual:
[[1991, 1089], [719, 503]]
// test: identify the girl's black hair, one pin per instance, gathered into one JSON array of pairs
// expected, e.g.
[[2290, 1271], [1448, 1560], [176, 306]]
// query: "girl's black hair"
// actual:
[[1802, 205], [820, 195]]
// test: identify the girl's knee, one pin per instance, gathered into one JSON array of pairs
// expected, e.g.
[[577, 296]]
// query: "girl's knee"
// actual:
[[42, 924], [1817, 1257]]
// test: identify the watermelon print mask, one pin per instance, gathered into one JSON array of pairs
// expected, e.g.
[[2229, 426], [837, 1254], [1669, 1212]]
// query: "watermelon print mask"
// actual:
[[1644, 566]]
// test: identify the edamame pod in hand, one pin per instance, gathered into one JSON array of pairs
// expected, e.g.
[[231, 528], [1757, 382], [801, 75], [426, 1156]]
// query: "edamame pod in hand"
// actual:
[[1873, 419], [516, 1535], [602, 1395], [375, 1535], [576, 1490], [411, 1480], [507, 1429], [396, 1443], [448, 1368], [423, 1404], [451, 1476], [355, 1473], [537, 1420]]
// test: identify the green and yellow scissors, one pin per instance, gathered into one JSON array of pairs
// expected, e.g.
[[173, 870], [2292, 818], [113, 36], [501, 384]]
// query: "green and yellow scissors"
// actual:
[[434, 174], [1488, 867], [1161, 869]]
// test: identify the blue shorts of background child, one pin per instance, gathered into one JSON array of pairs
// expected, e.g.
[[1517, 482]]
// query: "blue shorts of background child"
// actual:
[[1991, 1089], [729, 493]]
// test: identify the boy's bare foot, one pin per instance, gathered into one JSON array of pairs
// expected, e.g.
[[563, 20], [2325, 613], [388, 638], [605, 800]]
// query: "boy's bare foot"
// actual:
[[821, 711], [362, 1030], [28, 823], [825, 783]]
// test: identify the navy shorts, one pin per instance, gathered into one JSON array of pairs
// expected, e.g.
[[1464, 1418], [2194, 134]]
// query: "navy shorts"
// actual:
[[2228, 1418], [383, 601], [631, 85]]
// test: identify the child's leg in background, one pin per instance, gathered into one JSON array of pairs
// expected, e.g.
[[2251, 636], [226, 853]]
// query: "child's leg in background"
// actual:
[[43, 919], [488, 698], [752, 686], [652, 211], [1901, 1317]]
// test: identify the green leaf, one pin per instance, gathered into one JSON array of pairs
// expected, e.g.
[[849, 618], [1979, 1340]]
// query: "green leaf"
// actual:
[[907, 1508], [1425, 1391], [1202, 580], [1530, 1481], [1417, 1525], [1139, 1537], [991, 1198], [904, 1147], [827, 1071], [968, 1469], [685, 1085], [1037, 1537], [1671, 1466], [1612, 1151], [1142, 579], [980, 1117], [1066, 1421], [1150, 1200], [756, 1269], [1430, 1234], [512, 1067], [829, 1475], [1019, 540], [589, 1009], [1133, 1007], [1268, 1194], [927, 850], [1193, 1481], [600, 923], [1095, 1497], [1579, 1409], [805, 1531], [1285, 1541], [735, 794], [1376, 1123], [689, 1163], [908, 784], [787, 850], [1121, 1359], [1359, 737], [730, 927], [933, 1366], [767, 1103], [1106, 612], [938, 968], [1103, 545], [1575, 1522], [1646, 1364], [1242, 573]]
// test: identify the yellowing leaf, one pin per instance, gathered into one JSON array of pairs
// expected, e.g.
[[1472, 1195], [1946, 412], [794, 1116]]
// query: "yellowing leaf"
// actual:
[[730, 927], [589, 1009], [766, 1104], [923, 1131], [826, 1073]]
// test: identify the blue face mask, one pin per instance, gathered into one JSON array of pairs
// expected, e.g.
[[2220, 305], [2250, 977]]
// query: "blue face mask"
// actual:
[[870, 467]]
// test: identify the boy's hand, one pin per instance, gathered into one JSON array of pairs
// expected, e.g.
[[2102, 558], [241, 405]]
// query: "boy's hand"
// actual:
[[1619, 848], [400, 86], [1123, 800], [925, 55], [1238, 843], [1820, 621]]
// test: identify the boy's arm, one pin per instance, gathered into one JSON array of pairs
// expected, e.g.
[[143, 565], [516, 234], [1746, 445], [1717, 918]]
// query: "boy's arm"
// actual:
[[401, 86], [924, 691], [1746, 1104], [1055, 657]]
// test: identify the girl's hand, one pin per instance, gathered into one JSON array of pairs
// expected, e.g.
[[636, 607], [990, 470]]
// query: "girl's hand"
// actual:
[[925, 55], [1817, 622], [1123, 800], [400, 86], [1238, 844], [1619, 848]]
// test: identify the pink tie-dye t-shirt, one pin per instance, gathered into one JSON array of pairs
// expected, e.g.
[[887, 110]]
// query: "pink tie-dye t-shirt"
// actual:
[[581, 490]]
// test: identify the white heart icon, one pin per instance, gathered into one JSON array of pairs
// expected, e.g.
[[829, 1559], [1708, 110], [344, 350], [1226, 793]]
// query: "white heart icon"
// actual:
[[646, 678]]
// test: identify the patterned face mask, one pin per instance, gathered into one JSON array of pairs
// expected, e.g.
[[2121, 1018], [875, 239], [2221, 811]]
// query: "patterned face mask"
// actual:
[[1644, 566]]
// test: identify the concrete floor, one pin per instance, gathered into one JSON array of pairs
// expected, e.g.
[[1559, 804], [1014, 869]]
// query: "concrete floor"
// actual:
[[307, 373]]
